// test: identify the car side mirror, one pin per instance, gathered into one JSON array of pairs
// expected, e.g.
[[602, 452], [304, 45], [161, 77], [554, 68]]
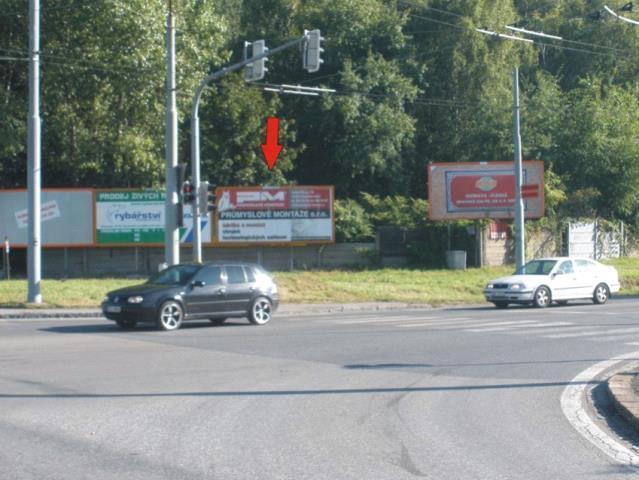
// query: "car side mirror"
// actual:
[[197, 283]]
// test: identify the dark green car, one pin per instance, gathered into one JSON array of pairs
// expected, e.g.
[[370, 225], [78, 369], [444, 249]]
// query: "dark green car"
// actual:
[[213, 291]]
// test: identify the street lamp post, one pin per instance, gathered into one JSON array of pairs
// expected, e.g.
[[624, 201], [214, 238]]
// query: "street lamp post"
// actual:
[[33, 158]]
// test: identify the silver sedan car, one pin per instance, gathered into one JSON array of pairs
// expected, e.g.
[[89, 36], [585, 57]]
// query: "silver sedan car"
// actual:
[[558, 279]]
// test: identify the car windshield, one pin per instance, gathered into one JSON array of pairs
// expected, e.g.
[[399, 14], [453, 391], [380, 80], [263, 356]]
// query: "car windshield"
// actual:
[[537, 267], [176, 275]]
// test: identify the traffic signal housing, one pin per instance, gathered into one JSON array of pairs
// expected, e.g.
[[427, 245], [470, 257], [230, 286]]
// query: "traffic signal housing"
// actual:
[[255, 70], [206, 197], [188, 193], [312, 58]]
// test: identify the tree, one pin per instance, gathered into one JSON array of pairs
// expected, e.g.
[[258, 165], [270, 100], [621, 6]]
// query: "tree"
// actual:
[[598, 148]]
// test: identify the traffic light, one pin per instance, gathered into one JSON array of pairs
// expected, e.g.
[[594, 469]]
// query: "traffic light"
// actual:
[[255, 70], [188, 193], [311, 59], [180, 175], [206, 197]]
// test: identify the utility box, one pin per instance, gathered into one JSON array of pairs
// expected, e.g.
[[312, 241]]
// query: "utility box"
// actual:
[[456, 259]]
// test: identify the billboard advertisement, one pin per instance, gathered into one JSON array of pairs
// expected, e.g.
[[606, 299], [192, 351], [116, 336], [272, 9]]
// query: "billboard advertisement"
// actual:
[[483, 190], [252, 215], [66, 217], [137, 217]]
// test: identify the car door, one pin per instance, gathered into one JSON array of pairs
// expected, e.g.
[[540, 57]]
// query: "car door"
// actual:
[[564, 281], [588, 273], [206, 294], [238, 289]]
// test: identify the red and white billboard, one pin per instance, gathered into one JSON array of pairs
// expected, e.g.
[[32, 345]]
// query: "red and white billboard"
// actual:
[[483, 190], [274, 215]]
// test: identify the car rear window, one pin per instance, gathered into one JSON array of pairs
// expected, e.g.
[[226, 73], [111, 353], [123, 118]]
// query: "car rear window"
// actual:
[[235, 274], [249, 274]]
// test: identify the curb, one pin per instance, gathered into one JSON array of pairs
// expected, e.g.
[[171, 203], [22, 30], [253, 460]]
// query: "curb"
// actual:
[[624, 396], [284, 310]]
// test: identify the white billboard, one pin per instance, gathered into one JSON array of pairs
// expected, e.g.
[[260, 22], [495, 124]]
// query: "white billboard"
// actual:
[[248, 215], [66, 217]]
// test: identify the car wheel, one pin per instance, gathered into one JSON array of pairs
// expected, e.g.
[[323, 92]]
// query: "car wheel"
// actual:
[[542, 297], [501, 304], [170, 316], [217, 321], [601, 294], [126, 324], [261, 311]]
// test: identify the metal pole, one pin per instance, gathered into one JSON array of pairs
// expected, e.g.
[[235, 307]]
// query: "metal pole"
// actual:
[[171, 230], [195, 177], [520, 253], [7, 260], [33, 157]]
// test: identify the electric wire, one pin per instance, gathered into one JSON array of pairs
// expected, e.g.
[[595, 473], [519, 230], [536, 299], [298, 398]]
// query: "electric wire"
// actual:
[[544, 44]]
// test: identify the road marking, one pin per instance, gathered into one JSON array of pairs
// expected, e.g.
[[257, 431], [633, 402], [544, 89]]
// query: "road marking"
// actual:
[[610, 338], [499, 324], [571, 404], [599, 331], [382, 320], [572, 312], [538, 325]]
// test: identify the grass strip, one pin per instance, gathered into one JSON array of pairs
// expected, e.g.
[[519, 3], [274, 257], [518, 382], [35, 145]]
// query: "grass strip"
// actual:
[[433, 287]]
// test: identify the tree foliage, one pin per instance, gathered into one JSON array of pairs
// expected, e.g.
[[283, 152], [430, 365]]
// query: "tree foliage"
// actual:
[[415, 83]]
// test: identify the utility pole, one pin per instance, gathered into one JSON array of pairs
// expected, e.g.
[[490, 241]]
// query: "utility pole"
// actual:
[[33, 157], [520, 252], [171, 230]]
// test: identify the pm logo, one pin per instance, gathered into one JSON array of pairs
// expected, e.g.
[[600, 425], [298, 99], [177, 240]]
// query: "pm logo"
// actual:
[[260, 197]]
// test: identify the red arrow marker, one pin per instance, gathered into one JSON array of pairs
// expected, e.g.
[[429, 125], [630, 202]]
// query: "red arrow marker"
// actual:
[[271, 149]]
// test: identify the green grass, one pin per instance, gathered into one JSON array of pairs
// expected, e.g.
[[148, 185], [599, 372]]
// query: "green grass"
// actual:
[[434, 287]]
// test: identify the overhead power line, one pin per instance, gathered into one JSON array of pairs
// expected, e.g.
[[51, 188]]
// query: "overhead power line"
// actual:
[[611, 50], [612, 12]]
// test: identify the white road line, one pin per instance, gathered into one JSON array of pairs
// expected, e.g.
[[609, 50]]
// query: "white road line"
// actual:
[[413, 325], [541, 331], [600, 331], [571, 312], [539, 325], [462, 323], [572, 405], [466, 326], [382, 320], [499, 324], [610, 338]]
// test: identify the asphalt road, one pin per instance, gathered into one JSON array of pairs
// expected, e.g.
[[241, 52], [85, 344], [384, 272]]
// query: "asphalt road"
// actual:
[[465, 393]]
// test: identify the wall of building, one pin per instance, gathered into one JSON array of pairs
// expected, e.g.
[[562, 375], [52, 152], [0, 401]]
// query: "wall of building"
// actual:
[[141, 261], [540, 243]]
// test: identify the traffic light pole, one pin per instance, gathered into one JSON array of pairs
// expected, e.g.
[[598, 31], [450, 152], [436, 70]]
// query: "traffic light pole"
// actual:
[[195, 134]]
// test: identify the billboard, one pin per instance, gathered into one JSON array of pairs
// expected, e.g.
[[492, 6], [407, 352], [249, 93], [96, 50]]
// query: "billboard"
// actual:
[[483, 190], [66, 217], [274, 215], [137, 217]]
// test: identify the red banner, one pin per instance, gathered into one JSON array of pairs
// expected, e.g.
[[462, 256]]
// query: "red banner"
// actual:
[[482, 191]]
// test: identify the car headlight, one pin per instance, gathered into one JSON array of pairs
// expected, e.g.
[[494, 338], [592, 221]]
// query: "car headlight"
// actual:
[[517, 286], [136, 299], [105, 299], [490, 285]]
